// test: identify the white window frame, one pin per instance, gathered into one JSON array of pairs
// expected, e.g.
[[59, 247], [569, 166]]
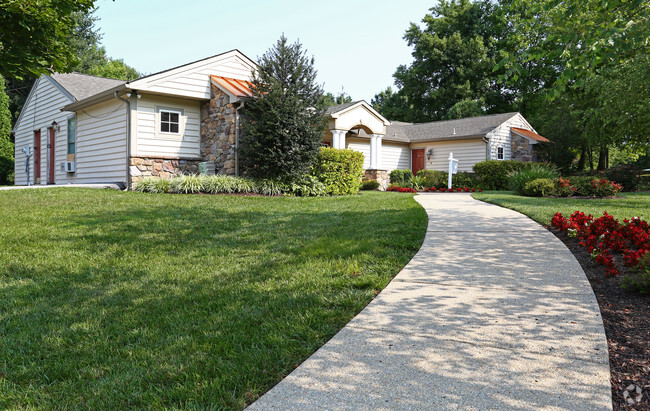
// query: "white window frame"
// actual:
[[503, 153], [160, 122], [67, 125]]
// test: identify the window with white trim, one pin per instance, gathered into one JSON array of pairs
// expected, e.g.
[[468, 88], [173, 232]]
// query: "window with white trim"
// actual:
[[72, 135], [170, 121], [499, 153]]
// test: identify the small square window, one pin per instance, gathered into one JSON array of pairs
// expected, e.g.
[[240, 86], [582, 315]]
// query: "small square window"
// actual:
[[170, 121], [499, 153]]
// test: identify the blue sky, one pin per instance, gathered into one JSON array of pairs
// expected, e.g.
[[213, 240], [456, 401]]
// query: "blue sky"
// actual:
[[357, 44]]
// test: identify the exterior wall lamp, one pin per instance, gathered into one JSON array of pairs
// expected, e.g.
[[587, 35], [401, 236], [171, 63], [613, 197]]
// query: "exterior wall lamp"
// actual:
[[55, 126], [429, 154]]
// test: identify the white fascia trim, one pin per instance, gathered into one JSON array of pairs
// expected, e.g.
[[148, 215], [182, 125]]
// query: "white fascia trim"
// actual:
[[22, 110], [367, 106]]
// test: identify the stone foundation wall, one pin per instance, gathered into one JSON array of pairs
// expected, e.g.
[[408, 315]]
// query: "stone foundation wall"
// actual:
[[161, 167], [382, 177], [218, 131], [522, 150]]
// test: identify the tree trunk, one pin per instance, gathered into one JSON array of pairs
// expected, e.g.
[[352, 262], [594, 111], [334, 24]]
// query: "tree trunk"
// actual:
[[591, 159], [602, 158], [583, 157]]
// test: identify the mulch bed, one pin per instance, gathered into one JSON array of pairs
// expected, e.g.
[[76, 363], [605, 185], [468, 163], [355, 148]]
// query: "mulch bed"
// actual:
[[626, 317]]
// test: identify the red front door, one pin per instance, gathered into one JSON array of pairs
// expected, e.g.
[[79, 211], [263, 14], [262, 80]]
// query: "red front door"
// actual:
[[417, 160], [50, 147], [37, 156]]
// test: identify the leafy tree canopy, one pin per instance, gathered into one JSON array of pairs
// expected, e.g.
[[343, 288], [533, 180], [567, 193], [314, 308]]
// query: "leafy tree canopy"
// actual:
[[34, 36], [330, 99], [466, 108], [283, 123], [6, 146]]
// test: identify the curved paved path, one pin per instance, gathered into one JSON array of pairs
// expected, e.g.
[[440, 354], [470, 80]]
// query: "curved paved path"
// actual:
[[493, 312]]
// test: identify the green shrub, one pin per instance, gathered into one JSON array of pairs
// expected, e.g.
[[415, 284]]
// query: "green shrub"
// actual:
[[626, 175], [532, 171], [187, 184], [540, 187], [583, 185], [494, 173], [339, 170], [369, 185], [153, 185], [308, 186], [593, 186], [400, 177], [433, 178], [464, 179]]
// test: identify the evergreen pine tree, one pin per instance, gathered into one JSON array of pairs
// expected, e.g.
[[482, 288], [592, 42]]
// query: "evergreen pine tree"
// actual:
[[6, 146], [283, 124]]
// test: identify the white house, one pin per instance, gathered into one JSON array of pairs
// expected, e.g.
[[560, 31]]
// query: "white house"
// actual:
[[86, 129]]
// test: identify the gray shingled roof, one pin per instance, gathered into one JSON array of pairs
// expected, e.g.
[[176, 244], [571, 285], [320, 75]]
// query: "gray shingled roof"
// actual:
[[340, 107], [449, 129], [82, 86]]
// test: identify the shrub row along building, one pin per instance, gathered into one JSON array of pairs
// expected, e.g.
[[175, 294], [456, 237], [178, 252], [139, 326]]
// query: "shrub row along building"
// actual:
[[86, 129]]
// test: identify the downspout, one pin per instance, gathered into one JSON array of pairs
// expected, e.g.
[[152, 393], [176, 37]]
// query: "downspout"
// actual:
[[128, 138], [237, 126], [487, 148]]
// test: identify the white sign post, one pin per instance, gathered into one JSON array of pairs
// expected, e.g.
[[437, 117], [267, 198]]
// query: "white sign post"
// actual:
[[453, 168]]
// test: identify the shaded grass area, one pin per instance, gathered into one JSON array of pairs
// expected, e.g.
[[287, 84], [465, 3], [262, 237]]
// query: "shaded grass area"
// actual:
[[118, 299], [542, 209]]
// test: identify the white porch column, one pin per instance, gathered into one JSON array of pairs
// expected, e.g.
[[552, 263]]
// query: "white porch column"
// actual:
[[338, 138], [373, 151], [378, 151]]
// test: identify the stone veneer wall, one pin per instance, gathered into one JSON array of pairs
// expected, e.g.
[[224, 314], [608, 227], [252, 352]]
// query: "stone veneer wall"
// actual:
[[522, 150], [382, 177], [161, 167], [218, 131]]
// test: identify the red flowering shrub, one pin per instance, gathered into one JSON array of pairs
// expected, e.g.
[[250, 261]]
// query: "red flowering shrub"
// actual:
[[401, 189], [604, 235]]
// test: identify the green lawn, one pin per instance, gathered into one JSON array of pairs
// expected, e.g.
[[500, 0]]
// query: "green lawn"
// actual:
[[115, 299], [543, 209]]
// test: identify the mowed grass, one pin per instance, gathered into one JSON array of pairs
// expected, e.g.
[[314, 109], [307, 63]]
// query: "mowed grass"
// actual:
[[542, 209], [112, 300]]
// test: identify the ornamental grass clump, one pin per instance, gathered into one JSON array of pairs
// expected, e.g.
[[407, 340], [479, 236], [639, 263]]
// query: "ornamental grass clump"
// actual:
[[517, 179], [189, 184], [152, 185]]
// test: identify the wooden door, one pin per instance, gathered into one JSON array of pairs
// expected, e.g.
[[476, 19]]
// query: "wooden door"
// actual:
[[51, 151], [37, 156], [417, 160]]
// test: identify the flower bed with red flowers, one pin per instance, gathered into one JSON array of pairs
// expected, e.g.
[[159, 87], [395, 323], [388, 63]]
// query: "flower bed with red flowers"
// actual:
[[399, 189], [605, 235]]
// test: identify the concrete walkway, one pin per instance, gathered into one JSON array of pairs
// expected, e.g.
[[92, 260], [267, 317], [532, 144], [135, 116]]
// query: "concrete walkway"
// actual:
[[493, 312]]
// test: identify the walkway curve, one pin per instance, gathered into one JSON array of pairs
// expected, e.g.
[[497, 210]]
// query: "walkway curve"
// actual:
[[493, 312]]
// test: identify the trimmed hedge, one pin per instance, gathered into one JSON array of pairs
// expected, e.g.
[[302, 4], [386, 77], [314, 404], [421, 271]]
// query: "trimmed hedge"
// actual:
[[433, 178], [401, 177], [340, 170], [494, 173], [540, 187]]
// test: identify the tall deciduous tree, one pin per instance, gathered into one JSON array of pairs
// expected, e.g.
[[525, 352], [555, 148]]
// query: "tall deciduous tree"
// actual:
[[34, 36], [6, 146], [283, 124]]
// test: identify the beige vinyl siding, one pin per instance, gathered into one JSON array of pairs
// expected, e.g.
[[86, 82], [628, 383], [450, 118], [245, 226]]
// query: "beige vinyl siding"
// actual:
[[394, 156], [193, 81], [101, 144], [42, 107], [362, 146], [467, 152], [148, 140], [501, 137]]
